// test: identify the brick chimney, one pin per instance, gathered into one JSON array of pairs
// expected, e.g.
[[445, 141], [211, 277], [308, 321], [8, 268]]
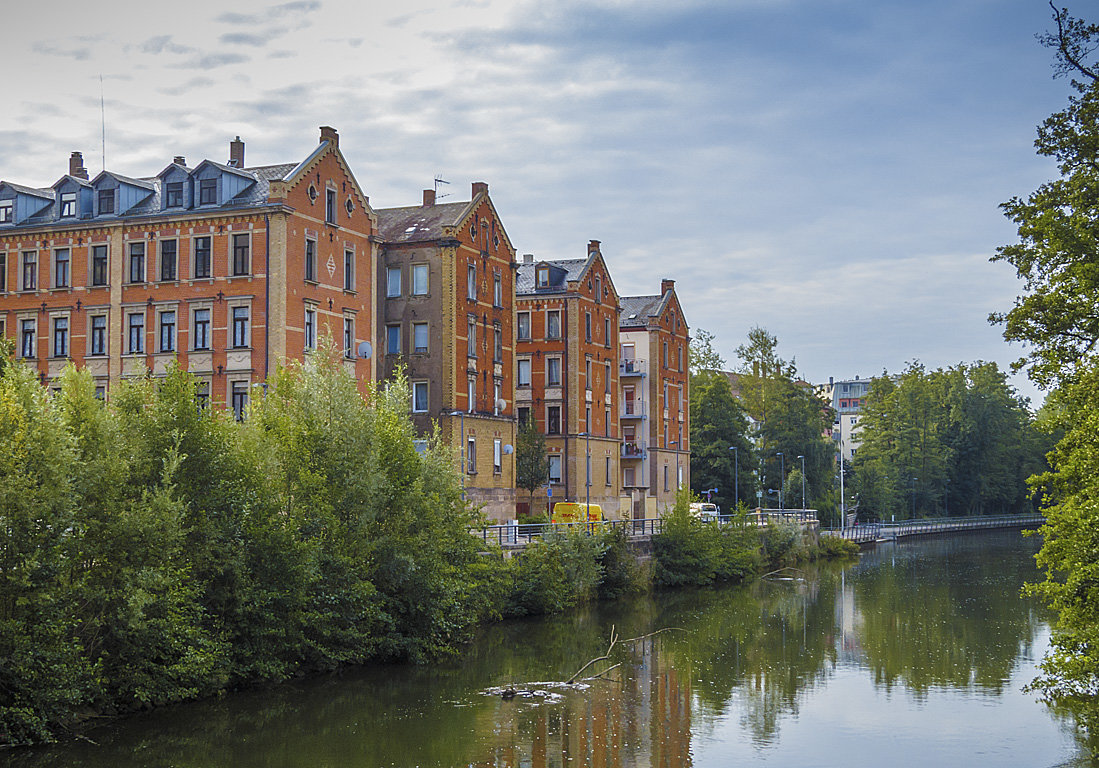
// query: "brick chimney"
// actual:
[[328, 133], [76, 166], [236, 153], [666, 285], [480, 187], [180, 160], [429, 198], [593, 247], [528, 258]]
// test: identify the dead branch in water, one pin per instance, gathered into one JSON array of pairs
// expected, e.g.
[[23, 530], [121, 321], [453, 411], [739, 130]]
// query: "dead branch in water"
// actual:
[[614, 642]]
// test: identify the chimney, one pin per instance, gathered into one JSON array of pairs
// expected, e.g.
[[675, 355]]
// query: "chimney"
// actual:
[[528, 258], [180, 160], [236, 153], [830, 381], [328, 133], [666, 285], [429, 198], [593, 247], [76, 166], [480, 187]]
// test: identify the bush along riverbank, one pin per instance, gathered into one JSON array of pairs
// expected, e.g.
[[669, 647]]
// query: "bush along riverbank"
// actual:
[[155, 551]]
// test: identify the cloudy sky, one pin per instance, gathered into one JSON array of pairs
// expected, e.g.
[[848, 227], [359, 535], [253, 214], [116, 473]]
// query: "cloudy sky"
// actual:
[[830, 170]]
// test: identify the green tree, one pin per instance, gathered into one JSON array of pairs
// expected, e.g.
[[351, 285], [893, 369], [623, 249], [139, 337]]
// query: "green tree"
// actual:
[[718, 424], [531, 465]]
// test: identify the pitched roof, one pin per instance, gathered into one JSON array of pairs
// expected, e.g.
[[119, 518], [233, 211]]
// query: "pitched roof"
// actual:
[[418, 223], [45, 194], [636, 310]]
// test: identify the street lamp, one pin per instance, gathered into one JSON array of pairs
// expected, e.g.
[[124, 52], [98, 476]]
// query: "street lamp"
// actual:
[[802, 482], [462, 448], [736, 475], [781, 479], [587, 462]]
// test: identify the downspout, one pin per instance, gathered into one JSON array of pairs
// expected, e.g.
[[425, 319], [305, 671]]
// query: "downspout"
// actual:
[[266, 296], [565, 405]]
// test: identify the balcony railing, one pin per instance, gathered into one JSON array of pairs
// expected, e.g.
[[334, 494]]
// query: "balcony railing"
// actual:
[[633, 409], [632, 368], [633, 450]]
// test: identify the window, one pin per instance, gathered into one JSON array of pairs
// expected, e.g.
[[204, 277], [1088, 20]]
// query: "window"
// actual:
[[6, 208], [27, 341], [393, 339], [606, 377], [524, 325], [554, 467], [419, 279], [607, 332], [665, 477], [679, 358], [471, 456], [99, 265], [524, 416], [99, 335], [628, 476], [471, 394], [106, 201], [202, 257], [393, 282], [543, 277], [167, 260], [598, 289], [61, 272], [497, 452], [202, 394], [200, 333], [497, 291], [30, 270], [607, 471], [348, 269], [419, 397], [61, 337], [496, 397], [587, 326], [471, 283], [241, 254], [239, 399], [606, 422], [101, 392], [523, 375], [137, 263], [135, 328], [553, 324], [587, 419], [665, 354], [310, 329], [587, 375], [471, 336], [330, 206], [419, 338], [553, 371], [553, 420], [207, 191], [349, 337], [68, 205], [168, 331], [240, 327], [497, 343], [311, 260], [3, 272], [173, 194]]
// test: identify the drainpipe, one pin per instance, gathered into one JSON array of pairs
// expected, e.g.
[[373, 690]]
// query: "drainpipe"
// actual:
[[565, 399], [266, 296]]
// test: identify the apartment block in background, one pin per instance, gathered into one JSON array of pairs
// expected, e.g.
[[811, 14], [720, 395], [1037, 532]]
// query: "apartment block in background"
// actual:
[[847, 397], [447, 283], [224, 268], [567, 375], [653, 343]]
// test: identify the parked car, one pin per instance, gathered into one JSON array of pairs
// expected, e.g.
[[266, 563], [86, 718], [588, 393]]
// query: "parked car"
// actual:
[[705, 511]]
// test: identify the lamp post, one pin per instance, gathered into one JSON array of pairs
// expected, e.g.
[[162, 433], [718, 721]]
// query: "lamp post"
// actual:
[[736, 475], [843, 512], [587, 472], [913, 517], [802, 482], [462, 448], [781, 479], [946, 497]]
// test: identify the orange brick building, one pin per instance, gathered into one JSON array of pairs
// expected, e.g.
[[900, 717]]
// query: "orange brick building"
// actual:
[[654, 339], [224, 268], [447, 277], [567, 374]]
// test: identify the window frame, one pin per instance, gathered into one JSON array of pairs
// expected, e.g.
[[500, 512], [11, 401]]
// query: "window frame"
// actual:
[[29, 265], [553, 371], [393, 338], [419, 270], [171, 328], [519, 325], [59, 332], [393, 278], [349, 269], [208, 188], [417, 328], [66, 206], [240, 327], [97, 335], [200, 329], [59, 280], [168, 255], [425, 401], [135, 333], [553, 318], [519, 378], [241, 260], [309, 329], [28, 338], [202, 257], [310, 259], [134, 258]]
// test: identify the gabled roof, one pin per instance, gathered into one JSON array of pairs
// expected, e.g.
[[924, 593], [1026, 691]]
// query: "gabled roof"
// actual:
[[79, 181], [419, 223], [44, 194], [637, 310], [568, 271], [140, 183], [242, 172]]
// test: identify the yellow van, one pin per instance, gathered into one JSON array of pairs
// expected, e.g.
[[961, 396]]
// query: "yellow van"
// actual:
[[574, 512]]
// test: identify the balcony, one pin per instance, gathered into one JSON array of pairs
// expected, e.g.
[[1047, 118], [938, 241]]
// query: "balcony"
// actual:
[[631, 368], [633, 409], [633, 450]]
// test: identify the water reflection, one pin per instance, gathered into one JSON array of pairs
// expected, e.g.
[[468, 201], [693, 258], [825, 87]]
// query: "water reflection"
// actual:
[[838, 666]]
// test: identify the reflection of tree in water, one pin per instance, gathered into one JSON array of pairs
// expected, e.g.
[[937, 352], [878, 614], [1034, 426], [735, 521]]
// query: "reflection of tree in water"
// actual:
[[954, 618]]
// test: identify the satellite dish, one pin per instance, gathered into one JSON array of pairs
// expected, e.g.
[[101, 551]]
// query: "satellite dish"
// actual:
[[365, 350], [508, 450], [501, 404]]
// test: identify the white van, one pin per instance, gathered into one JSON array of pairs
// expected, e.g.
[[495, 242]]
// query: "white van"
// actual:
[[705, 511]]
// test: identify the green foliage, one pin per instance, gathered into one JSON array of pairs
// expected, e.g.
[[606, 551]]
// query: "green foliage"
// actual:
[[718, 423], [531, 464], [834, 547], [619, 572], [558, 572], [784, 544], [689, 552]]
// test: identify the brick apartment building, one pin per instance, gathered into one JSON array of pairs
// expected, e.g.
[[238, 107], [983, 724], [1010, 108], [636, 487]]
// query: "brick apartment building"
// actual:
[[654, 338], [567, 374], [224, 268], [447, 273]]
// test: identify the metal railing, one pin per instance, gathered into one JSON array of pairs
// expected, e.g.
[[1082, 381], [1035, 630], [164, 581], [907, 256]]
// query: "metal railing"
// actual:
[[633, 409], [632, 367], [633, 450], [926, 527], [523, 534]]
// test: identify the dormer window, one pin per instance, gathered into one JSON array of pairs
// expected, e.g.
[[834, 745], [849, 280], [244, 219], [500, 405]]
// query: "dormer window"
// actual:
[[207, 191], [68, 205], [106, 201], [6, 208], [173, 194], [543, 277]]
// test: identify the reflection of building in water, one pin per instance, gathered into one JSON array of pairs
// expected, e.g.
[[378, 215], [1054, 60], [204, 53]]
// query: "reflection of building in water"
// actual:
[[641, 718], [848, 644]]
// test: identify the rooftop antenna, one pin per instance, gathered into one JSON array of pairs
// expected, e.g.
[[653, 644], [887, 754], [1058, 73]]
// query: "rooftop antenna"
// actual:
[[103, 122], [440, 180]]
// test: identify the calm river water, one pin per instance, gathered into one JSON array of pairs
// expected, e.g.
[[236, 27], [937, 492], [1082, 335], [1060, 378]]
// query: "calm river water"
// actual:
[[914, 656]]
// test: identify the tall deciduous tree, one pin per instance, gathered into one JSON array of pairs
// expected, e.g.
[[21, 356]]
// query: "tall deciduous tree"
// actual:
[[531, 464], [718, 425]]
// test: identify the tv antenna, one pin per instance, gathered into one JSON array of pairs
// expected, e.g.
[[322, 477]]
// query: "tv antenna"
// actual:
[[103, 122], [440, 180]]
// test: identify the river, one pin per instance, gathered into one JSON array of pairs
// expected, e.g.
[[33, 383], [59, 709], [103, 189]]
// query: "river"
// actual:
[[914, 656]]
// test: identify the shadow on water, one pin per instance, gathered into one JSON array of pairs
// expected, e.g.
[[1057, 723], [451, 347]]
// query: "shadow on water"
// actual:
[[911, 622]]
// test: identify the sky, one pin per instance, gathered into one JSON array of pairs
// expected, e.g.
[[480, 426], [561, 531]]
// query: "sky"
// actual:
[[828, 170]]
